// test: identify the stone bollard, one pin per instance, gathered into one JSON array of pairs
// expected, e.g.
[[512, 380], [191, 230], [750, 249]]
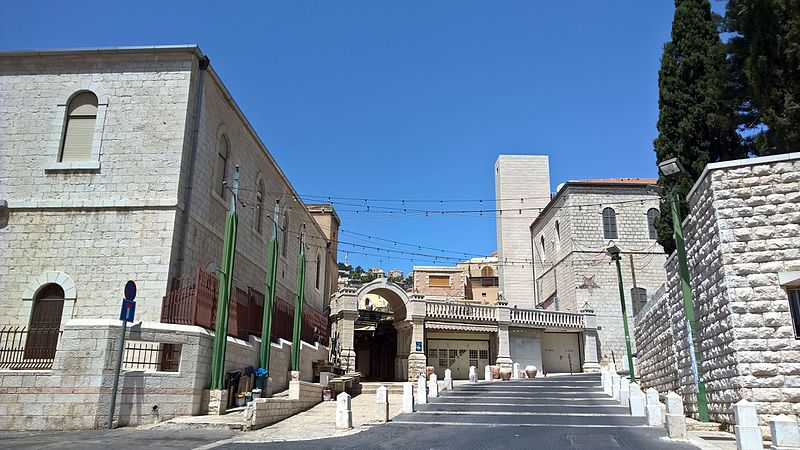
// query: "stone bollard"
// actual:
[[487, 373], [615, 385], [408, 397], [636, 401], [624, 391], [654, 418], [676, 421], [448, 380], [748, 433], [344, 413], [603, 379], [433, 386], [382, 400], [515, 373], [473, 374], [422, 394], [785, 433]]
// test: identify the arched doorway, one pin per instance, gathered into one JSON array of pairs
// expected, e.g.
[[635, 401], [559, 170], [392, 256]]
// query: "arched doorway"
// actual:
[[45, 322], [381, 307]]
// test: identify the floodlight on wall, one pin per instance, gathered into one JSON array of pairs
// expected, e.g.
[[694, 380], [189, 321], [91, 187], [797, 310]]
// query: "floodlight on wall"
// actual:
[[613, 250], [671, 168]]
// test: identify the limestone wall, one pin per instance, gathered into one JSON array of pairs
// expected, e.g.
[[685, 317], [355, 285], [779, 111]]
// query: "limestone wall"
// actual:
[[266, 411], [656, 361]]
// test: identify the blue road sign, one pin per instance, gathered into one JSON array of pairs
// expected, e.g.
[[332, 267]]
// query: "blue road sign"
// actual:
[[419, 346], [128, 310], [130, 290]]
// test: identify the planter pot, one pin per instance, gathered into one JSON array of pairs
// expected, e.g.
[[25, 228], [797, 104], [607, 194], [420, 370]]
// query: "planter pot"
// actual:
[[505, 374], [495, 372], [530, 371], [326, 395]]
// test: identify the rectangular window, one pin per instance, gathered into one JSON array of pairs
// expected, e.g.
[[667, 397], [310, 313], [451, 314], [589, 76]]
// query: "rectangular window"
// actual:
[[794, 308], [439, 281]]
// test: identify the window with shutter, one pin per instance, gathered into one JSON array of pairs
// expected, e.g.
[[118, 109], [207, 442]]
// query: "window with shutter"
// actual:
[[652, 215], [79, 130], [609, 224], [221, 167]]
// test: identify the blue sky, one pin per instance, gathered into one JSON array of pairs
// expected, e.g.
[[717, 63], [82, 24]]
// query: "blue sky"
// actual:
[[407, 100]]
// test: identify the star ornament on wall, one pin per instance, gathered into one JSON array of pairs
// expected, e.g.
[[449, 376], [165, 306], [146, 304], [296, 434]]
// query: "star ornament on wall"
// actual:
[[588, 283]]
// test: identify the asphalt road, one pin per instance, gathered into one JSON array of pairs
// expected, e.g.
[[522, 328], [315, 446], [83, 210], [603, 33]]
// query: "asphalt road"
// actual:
[[119, 439]]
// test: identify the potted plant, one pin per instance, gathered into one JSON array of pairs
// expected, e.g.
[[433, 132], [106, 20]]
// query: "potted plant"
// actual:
[[505, 373]]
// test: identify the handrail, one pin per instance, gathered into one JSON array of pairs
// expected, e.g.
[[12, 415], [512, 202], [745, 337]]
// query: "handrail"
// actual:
[[461, 311], [544, 318]]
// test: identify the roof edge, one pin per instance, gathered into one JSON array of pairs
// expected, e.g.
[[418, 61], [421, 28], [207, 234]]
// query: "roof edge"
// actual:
[[190, 48]]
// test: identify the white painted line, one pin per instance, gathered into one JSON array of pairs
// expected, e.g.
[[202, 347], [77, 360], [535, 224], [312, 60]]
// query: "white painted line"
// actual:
[[532, 398], [487, 424], [550, 405], [519, 413]]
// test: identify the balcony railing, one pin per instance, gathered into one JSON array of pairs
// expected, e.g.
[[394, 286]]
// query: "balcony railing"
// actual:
[[543, 318], [456, 311], [22, 349]]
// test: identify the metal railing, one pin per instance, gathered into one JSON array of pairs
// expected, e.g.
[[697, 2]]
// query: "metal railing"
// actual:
[[22, 349], [152, 356], [459, 311], [544, 318]]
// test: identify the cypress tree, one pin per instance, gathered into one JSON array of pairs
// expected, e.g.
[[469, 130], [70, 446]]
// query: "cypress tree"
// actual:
[[697, 118], [765, 51]]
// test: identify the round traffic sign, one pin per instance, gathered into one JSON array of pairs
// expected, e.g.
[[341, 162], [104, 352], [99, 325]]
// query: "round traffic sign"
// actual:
[[130, 290]]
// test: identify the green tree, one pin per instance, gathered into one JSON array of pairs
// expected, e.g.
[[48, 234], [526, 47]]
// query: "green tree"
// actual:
[[697, 117], [765, 51]]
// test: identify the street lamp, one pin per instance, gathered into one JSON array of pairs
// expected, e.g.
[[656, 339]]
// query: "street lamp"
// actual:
[[672, 169], [614, 251]]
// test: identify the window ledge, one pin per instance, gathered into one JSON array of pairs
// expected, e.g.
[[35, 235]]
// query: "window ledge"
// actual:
[[77, 166]]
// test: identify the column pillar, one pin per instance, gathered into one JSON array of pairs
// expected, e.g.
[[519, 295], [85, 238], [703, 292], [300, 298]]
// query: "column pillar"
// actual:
[[345, 326], [590, 362], [416, 354], [503, 343]]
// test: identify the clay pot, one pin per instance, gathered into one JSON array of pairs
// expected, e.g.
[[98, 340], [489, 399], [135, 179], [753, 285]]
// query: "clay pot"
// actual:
[[495, 372], [505, 374], [530, 371], [428, 371]]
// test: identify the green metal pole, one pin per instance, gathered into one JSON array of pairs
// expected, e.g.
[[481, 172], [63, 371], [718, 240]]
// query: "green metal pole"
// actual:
[[688, 306], [616, 259], [298, 303], [269, 292], [225, 285]]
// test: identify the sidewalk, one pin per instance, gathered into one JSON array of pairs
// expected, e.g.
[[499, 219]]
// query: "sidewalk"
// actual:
[[716, 440]]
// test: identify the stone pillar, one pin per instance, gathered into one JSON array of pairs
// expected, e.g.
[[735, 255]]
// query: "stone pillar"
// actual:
[[615, 385], [408, 397], [748, 433], [785, 434], [676, 421], [636, 401], [487, 373], [590, 361], [448, 380], [503, 343], [422, 394], [345, 326], [403, 348], [416, 356], [624, 391], [473, 374], [515, 373], [382, 400], [433, 386], [654, 418], [344, 413]]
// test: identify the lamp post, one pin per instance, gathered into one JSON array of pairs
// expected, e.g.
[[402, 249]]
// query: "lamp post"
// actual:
[[671, 169], [613, 251]]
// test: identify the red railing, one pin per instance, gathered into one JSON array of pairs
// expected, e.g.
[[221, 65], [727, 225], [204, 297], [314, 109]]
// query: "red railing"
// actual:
[[192, 301]]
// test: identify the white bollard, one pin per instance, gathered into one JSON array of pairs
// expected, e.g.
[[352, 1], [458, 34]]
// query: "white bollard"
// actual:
[[615, 385], [515, 373], [422, 394], [473, 374], [785, 433], [654, 418], [382, 400], [676, 421], [448, 380], [603, 377], [433, 386], [624, 391], [748, 433], [487, 373], [344, 413], [636, 401], [408, 397]]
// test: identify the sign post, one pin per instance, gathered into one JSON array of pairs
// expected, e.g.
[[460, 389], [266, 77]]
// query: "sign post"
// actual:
[[126, 315]]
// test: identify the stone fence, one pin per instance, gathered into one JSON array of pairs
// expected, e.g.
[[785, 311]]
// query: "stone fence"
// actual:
[[76, 392]]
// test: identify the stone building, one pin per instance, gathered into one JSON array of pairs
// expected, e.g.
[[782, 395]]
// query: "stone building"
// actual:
[[573, 270], [743, 248], [117, 164], [481, 279]]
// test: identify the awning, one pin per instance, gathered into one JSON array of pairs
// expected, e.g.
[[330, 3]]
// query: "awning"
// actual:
[[455, 326]]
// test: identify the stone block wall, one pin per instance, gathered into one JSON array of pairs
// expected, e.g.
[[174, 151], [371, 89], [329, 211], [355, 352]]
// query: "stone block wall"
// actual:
[[266, 411], [655, 344]]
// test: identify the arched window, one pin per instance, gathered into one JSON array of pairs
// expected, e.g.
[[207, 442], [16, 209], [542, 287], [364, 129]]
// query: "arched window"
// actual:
[[260, 207], [558, 231], [79, 131], [48, 305], [319, 271], [285, 239], [221, 167], [609, 224], [542, 240], [638, 299], [652, 215], [487, 272]]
